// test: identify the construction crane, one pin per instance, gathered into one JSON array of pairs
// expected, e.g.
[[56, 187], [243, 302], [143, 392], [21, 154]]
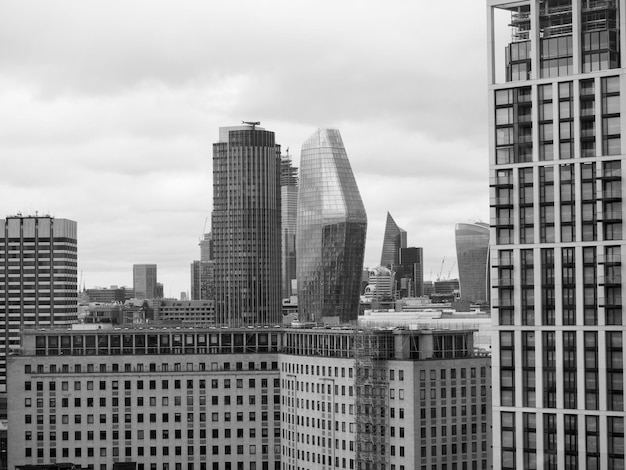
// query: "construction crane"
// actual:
[[441, 268], [450, 272]]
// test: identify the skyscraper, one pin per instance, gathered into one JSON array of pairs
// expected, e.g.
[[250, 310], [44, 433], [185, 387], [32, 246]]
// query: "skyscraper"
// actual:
[[472, 255], [395, 238], [145, 281], [555, 98], [330, 236], [410, 272], [38, 278], [246, 226], [289, 207], [203, 271]]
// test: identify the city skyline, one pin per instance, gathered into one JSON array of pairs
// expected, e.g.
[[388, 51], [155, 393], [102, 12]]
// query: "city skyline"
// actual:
[[114, 117]]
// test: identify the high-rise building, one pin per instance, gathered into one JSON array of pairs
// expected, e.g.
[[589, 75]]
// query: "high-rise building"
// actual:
[[145, 281], [252, 398], [472, 255], [246, 226], [410, 272], [289, 208], [393, 241], [330, 237], [555, 99], [38, 278], [203, 271]]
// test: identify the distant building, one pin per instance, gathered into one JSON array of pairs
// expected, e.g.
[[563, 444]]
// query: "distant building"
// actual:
[[159, 291], [410, 272], [472, 254], [330, 238], [447, 286], [38, 278], [393, 241], [246, 226], [192, 312], [206, 248], [289, 214], [108, 295], [381, 286], [145, 281], [203, 271]]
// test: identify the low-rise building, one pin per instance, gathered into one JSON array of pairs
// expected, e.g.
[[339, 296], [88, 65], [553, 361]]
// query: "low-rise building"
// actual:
[[250, 398]]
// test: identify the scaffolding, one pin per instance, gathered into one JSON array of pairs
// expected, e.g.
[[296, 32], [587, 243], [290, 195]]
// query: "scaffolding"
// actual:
[[372, 407]]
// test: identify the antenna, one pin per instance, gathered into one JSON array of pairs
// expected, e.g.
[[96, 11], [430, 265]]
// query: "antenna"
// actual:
[[252, 123]]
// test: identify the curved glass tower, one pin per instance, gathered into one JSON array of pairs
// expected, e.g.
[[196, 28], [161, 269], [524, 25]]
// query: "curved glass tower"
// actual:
[[472, 254], [332, 224]]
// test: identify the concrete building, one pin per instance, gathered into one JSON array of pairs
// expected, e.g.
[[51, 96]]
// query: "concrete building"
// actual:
[[145, 281], [393, 241], [556, 154], [250, 398], [472, 255], [289, 215], [188, 312], [109, 294], [246, 226], [38, 278], [330, 238]]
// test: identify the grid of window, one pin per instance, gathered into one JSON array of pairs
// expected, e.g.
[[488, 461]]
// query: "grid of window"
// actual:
[[507, 420], [613, 285], [569, 370], [566, 120], [528, 368], [546, 123], [567, 195], [547, 286], [530, 441], [526, 211], [549, 369], [588, 201], [555, 23], [591, 370], [527, 287], [590, 289], [546, 204], [614, 371], [513, 116], [507, 368], [587, 118], [568, 281]]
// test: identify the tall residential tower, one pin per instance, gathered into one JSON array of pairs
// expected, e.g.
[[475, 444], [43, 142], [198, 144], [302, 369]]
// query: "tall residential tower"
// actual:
[[556, 154], [330, 238], [289, 208], [246, 226]]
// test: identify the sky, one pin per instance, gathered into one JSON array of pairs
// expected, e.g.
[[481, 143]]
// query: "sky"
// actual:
[[109, 111]]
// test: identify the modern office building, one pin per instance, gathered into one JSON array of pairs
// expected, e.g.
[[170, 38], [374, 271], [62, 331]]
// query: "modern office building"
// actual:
[[410, 272], [145, 281], [250, 398], [330, 235], [109, 294], [289, 214], [246, 226], [38, 278], [393, 241], [472, 255], [555, 100], [203, 271]]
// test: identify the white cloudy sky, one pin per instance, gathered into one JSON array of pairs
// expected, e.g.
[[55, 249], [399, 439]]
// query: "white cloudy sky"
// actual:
[[109, 109]]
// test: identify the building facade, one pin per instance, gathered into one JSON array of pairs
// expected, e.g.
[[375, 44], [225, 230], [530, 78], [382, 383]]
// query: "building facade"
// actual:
[[289, 214], [331, 230], [472, 255], [250, 398], [145, 281], [38, 278], [246, 226], [555, 100], [410, 272], [393, 241]]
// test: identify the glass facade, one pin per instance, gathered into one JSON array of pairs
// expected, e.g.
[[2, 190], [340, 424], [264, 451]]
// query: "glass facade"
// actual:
[[331, 230], [472, 254], [556, 207], [289, 213], [394, 240], [246, 227]]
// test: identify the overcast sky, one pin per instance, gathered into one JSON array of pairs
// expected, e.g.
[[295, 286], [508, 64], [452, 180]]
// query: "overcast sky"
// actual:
[[108, 112]]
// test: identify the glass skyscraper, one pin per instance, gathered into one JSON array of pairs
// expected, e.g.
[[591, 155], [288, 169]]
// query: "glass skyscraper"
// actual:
[[289, 208], [246, 227], [555, 99], [331, 230], [395, 238], [472, 255]]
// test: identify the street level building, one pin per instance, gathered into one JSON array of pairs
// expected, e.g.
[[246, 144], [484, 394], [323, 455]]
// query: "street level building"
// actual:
[[250, 398], [331, 230], [38, 278], [556, 188], [246, 226]]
